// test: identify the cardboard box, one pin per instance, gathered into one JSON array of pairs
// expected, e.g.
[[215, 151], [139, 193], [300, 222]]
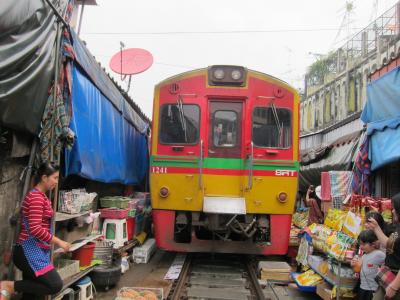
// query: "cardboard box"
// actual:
[[324, 290], [274, 270]]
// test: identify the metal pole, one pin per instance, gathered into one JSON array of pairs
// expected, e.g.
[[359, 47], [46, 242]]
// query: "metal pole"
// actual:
[[54, 195], [55, 86], [81, 17], [27, 181], [59, 17]]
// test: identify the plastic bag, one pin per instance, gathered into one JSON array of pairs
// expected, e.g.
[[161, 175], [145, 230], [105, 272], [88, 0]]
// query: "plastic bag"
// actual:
[[304, 250], [124, 264], [386, 207]]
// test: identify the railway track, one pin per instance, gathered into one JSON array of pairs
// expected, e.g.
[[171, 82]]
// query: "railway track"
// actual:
[[217, 277]]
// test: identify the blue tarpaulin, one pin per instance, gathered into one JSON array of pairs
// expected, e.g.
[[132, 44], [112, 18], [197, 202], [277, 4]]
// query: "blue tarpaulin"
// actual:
[[100, 79], [384, 146], [108, 148], [383, 98], [382, 115]]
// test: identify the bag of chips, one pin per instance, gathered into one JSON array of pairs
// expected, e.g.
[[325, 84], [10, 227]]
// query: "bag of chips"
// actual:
[[309, 278], [352, 225], [386, 208], [335, 219]]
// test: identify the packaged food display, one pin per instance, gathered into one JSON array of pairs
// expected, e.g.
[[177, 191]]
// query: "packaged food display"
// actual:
[[339, 246], [308, 278], [352, 225], [300, 218], [335, 219]]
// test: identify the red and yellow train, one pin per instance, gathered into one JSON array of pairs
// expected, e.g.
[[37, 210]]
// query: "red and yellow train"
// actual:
[[224, 161]]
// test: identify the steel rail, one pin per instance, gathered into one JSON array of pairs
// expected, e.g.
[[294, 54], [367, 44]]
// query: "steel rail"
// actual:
[[180, 285]]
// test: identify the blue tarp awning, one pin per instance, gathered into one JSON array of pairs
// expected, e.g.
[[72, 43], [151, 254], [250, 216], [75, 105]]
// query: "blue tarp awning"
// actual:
[[383, 98], [382, 116], [100, 79], [384, 145], [107, 148]]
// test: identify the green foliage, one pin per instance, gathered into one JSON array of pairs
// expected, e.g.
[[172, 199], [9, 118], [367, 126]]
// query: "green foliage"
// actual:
[[319, 69]]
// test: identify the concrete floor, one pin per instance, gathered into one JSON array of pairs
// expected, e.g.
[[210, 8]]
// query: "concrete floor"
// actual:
[[152, 274], [144, 275]]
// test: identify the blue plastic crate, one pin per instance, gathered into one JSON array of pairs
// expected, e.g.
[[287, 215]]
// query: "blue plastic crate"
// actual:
[[303, 288]]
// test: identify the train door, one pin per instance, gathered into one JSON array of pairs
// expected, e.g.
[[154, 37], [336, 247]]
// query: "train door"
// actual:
[[224, 163]]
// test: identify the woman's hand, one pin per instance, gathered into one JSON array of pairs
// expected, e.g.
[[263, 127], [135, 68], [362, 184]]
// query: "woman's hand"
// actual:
[[64, 245], [390, 292], [372, 224]]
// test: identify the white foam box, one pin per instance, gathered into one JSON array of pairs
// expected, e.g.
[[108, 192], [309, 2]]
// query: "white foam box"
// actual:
[[143, 253]]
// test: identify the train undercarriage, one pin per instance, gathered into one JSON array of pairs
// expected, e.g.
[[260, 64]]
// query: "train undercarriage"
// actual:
[[184, 231], [221, 227]]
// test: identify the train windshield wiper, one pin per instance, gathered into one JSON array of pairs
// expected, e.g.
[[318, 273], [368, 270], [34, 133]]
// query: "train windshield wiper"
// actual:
[[277, 123], [182, 118]]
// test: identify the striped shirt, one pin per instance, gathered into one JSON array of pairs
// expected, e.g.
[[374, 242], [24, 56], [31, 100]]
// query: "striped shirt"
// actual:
[[37, 210]]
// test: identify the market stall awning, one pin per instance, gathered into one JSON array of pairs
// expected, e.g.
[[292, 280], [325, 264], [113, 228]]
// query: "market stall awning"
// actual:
[[101, 80], [338, 157], [108, 148], [384, 146], [383, 98], [27, 56]]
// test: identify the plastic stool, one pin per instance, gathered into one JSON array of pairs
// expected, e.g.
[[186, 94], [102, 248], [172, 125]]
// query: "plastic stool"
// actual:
[[115, 230], [86, 288]]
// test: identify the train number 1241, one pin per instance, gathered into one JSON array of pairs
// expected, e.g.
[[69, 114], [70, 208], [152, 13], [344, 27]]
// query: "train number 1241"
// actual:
[[159, 170]]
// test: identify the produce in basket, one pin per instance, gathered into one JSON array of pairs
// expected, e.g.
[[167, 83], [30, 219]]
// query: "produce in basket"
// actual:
[[139, 294]]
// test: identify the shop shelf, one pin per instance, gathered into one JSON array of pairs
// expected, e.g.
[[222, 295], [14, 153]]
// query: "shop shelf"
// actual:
[[60, 216], [79, 243]]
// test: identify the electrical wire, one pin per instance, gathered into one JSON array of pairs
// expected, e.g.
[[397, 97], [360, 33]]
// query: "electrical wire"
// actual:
[[218, 32]]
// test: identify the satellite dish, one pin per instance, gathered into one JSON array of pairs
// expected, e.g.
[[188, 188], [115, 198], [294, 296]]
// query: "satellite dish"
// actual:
[[131, 61]]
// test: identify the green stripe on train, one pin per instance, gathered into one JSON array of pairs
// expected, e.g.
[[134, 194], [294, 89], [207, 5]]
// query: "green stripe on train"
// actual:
[[222, 163]]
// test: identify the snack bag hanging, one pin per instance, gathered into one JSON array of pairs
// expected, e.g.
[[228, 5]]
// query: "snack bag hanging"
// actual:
[[352, 225]]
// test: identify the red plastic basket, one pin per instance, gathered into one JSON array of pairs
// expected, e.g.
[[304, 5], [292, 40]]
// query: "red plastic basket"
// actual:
[[113, 213]]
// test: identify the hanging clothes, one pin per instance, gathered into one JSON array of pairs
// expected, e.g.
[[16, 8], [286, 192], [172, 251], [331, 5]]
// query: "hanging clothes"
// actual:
[[362, 170]]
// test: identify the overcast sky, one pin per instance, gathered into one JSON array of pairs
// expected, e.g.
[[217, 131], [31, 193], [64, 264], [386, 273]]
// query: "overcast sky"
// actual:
[[280, 38]]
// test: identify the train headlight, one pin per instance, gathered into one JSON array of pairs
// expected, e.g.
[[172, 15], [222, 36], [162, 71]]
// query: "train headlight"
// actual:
[[282, 197], [164, 192], [219, 74], [236, 75]]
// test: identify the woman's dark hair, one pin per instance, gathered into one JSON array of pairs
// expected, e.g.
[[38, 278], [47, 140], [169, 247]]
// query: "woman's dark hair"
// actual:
[[367, 236], [45, 169], [396, 204], [377, 217]]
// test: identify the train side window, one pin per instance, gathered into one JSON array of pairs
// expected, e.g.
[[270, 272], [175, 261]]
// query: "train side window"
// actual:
[[179, 125], [225, 128], [272, 127]]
